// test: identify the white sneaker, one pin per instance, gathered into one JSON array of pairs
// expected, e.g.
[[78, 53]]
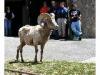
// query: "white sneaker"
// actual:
[[75, 38]]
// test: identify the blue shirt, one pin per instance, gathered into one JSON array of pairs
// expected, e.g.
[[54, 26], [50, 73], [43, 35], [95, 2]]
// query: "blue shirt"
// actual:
[[62, 11]]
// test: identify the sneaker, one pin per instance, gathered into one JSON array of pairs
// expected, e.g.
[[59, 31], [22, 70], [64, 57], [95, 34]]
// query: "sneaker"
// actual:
[[75, 38]]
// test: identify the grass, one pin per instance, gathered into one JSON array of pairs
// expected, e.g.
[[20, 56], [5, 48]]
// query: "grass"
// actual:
[[54, 68]]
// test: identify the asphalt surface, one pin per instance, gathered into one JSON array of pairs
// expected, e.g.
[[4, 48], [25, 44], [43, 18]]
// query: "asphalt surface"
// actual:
[[55, 50]]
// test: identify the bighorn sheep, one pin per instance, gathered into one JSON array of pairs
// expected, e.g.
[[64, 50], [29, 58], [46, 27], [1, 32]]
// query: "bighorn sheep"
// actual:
[[36, 35]]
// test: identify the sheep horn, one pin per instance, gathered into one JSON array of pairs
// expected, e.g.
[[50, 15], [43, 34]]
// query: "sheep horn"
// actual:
[[43, 16]]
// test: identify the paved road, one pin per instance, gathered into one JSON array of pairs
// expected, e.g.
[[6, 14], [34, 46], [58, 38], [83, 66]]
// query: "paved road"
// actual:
[[54, 50]]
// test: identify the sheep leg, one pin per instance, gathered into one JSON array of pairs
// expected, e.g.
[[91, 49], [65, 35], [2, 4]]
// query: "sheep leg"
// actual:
[[19, 48], [36, 51], [21, 52], [42, 47], [17, 55], [22, 60]]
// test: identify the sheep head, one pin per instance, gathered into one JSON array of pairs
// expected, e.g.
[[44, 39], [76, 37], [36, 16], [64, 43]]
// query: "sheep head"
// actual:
[[47, 20]]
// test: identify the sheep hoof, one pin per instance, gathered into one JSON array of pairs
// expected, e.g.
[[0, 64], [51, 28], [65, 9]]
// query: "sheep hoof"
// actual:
[[16, 60], [41, 61], [35, 61], [22, 61]]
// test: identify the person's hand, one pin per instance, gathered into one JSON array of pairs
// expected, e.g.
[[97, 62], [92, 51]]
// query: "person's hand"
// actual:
[[5, 18], [72, 17], [13, 16], [79, 17]]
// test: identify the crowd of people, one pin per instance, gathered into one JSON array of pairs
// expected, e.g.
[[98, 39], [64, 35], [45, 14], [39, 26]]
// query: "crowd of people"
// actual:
[[68, 18]]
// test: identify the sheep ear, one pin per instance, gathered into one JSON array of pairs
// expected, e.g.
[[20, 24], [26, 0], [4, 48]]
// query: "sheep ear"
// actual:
[[52, 15]]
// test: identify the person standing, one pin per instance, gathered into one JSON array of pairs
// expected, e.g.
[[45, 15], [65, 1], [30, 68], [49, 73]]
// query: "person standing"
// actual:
[[44, 8], [9, 15], [53, 8], [62, 13], [75, 18]]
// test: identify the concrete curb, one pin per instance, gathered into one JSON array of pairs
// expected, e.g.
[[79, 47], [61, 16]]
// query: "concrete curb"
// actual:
[[91, 60]]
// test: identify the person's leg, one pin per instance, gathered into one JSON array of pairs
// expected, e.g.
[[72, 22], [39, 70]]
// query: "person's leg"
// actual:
[[78, 27], [74, 27], [59, 28], [63, 27], [5, 27], [52, 35], [9, 27], [56, 35]]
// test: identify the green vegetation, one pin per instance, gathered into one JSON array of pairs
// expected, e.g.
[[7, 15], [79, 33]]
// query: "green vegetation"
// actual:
[[54, 68]]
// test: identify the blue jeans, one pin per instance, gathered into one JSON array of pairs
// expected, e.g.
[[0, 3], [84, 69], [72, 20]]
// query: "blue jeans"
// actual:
[[7, 26], [76, 28]]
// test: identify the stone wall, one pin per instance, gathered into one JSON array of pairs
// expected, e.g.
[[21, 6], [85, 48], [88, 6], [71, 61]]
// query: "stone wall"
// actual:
[[87, 8]]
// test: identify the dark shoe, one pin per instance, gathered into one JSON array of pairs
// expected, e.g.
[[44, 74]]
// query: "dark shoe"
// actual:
[[80, 37]]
